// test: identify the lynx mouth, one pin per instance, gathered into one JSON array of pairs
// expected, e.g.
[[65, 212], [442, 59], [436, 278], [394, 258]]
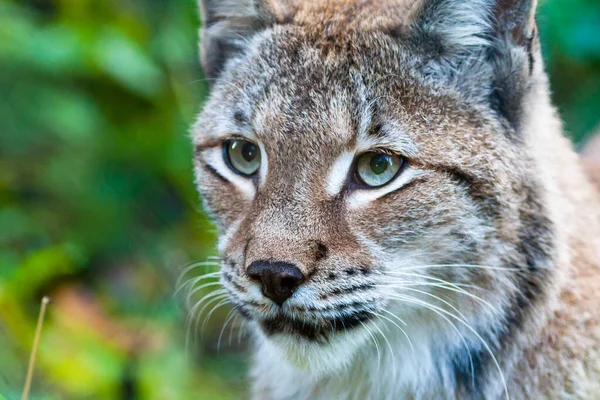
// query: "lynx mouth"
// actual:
[[319, 331]]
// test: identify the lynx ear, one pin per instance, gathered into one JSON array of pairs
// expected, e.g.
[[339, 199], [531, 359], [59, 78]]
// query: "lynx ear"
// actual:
[[227, 25], [488, 47], [460, 25]]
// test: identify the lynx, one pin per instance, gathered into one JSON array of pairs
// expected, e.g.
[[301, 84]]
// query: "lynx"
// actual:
[[399, 214]]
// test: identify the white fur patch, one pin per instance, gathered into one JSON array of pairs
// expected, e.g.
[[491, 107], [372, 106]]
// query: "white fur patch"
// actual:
[[461, 24], [264, 165], [360, 198], [339, 173], [312, 357], [226, 237], [397, 141]]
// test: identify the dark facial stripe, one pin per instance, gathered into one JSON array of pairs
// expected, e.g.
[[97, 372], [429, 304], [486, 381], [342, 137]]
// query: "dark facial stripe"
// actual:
[[355, 305], [214, 173], [404, 188], [536, 243], [476, 191], [376, 131], [240, 118], [535, 248], [207, 144], [242, 310], [315, 332], [530, 41], [358, 288], [469, 372]]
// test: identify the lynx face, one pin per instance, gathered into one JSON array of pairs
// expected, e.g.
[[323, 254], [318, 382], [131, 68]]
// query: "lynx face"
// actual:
[[366, 179]]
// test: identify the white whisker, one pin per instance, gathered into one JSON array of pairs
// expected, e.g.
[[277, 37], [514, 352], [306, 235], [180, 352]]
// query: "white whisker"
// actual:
[[220, 294], [214, 297], [464, 323], [241, 330], [191, 282], [466, 266], [388, 344], [450, 286], [228, 318], [196, 265], [376, 346], [460, 335], [199, 288], [210, 313], [398, 326], [237, 316]]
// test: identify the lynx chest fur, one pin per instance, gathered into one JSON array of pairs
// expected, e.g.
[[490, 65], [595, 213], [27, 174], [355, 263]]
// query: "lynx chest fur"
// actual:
[[399, 214]]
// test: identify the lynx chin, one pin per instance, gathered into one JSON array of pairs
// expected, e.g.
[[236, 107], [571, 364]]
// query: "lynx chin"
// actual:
[[399, 213]]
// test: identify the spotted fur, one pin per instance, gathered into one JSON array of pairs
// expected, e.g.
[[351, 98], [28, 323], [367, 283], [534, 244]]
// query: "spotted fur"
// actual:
[[474, 273]]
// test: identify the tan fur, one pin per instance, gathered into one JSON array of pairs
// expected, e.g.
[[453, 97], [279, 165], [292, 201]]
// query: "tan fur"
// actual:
[[563, 355], [344, 15], [487, 246]]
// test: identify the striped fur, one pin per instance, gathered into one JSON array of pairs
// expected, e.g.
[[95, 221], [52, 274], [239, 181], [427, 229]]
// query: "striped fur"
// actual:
[[474, 274]]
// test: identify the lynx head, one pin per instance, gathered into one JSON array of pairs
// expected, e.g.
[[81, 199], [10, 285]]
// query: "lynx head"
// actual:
[[368, 168]]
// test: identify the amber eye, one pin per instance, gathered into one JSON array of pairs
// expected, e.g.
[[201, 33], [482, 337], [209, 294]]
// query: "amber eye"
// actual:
[[376, 169], [242, 156]]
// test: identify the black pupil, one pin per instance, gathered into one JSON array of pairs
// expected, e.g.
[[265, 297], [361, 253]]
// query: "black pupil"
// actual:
[[379, 163], [249, 151]]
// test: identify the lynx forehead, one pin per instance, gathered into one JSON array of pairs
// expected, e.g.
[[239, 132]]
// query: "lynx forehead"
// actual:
[[399, 215]]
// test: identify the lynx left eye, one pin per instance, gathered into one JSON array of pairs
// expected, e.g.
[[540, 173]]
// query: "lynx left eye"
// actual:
[[376, 169], [242, 156]]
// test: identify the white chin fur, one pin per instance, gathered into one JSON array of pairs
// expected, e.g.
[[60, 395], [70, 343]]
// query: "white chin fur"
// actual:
[[316, 359]]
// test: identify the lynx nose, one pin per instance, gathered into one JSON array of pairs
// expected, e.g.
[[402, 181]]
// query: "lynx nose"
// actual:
[[279, 279]]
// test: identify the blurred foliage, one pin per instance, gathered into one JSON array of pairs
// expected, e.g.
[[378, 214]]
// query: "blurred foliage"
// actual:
[[97, 204], [570, 31]]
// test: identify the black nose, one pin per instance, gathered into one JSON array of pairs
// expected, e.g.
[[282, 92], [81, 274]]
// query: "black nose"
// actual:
[[279, 279]]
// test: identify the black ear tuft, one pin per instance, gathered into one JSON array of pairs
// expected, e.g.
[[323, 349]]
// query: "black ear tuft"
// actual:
[[515, 19], [512, 55]]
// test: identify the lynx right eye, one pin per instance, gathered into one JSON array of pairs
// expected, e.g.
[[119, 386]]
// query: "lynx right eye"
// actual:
[[377, 169], [242, 156]]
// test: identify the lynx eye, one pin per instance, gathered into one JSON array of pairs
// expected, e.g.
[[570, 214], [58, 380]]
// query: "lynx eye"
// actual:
[[377, 169], [242, 156]]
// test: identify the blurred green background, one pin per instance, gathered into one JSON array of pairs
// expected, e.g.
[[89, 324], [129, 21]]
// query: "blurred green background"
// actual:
[[97, 203]]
